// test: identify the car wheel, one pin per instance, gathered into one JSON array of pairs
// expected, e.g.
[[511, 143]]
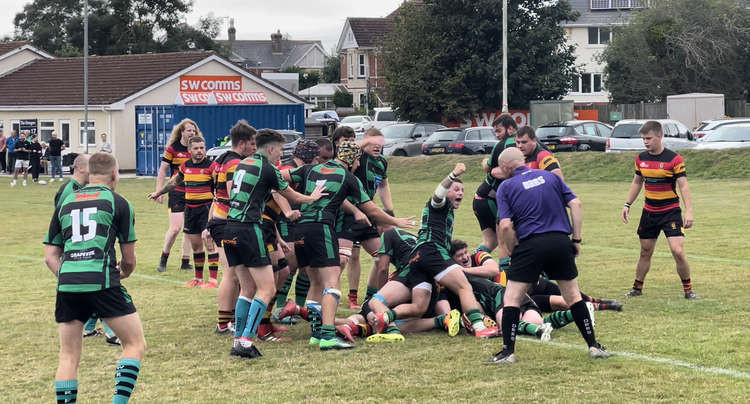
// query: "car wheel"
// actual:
[[584, 147], [399, 153]]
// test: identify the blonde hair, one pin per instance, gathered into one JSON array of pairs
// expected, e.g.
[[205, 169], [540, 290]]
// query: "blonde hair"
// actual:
[[102, 164], [373, 132], [177, 131]]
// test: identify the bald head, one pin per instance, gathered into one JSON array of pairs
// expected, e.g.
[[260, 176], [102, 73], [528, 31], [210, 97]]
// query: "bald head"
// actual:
[[81, 169], [510, 155]]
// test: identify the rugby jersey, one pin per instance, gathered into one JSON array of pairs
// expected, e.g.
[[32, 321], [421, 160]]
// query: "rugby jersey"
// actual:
[[488, 187], [398, 245], [542, 159], [66, 189], [660, 173], [175, 155], [226, 164], [253, 180], [85, 225], [371, 172], [479, 258], [198, 182], [437, 225]]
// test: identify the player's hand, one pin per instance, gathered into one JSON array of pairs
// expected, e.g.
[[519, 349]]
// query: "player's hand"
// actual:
[[153, 196], [123, 275], [285, 247], [293, 215], [361, 218], [406, 222], [624, 214], [318, 192], [459, 169], [687, 222], [576, 249], [160, 199]]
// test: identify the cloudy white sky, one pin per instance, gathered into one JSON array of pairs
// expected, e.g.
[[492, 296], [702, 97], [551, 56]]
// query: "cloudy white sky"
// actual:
[[257, 19]]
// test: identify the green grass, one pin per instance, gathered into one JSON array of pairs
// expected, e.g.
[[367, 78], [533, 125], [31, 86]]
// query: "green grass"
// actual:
[[186, 362]]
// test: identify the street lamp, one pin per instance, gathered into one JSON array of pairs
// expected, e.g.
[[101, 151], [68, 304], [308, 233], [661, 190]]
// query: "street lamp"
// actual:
[[86, 71], [505, 55]]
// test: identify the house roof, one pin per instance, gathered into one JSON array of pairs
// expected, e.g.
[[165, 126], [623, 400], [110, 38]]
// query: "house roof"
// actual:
[[321, 90], [8, 46], [258, 54], [593, 18], [369, 31], [111, 78]]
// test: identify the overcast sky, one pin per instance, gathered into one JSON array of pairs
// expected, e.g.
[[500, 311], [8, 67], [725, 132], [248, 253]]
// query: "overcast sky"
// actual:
[[257, 19]]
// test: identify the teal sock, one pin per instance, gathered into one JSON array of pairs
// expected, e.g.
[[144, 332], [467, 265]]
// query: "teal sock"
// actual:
[[90, 324], [255, 315], [391, 315], [240, 315], [327, 332], [527, 328], [482, 248], [301, 287], [370, 292], [107, 331], [283, 292], [475, 318], [66, 390], [315, 317], [125, 377], [440, 321], [392, 330], [559, 319]]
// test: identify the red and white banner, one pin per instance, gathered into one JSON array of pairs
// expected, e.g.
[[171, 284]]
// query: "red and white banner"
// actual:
[[522, 118], [222, 97], [207, 84]]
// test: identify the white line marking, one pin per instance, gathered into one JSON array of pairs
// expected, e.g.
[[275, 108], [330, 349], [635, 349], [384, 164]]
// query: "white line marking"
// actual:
[[655, 359], [669, 255]]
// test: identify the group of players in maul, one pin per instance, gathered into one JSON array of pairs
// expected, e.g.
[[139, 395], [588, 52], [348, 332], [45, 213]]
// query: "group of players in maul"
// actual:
[[264, 221]]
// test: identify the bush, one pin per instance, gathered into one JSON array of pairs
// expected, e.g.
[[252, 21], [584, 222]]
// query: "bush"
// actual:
[[343, 99]]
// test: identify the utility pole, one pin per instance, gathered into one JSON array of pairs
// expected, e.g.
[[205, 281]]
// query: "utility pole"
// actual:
[[505, 55], [86, 71]]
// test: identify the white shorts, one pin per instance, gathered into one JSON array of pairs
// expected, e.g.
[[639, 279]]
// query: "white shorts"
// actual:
[[22, 163]]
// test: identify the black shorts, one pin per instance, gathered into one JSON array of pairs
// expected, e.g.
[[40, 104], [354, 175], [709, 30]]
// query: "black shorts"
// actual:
[[176, 202], [652, 223], [485, 210], [355, 231], [243, 245], [549, 252], [107, 303], [316, 245], [216, 227], [411, 278], [432, 261], [287, 230], [196, 219], [544, 287], [269, 235]]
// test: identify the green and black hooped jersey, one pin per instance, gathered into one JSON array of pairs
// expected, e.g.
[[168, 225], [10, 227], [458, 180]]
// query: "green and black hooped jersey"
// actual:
[[371, 172], [489, 295], [340, 184], [66, 189], [85, 225], [437, 225], [253, 180], [397, 244], [488, 187]]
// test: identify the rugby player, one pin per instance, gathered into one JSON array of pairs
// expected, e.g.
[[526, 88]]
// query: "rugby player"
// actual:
[[662, 171], [80, 252], [196, 177]]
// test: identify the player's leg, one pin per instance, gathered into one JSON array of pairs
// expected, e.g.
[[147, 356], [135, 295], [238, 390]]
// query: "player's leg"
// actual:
[[353, 272], [128, 328], [329, 303], [176, 223], [677, 247], [485, 210], [199, 258], [71, 344], [345, 251], [213, 261], [390, 295], [453, 278], [375, 280], [581, 316], [643, 266]]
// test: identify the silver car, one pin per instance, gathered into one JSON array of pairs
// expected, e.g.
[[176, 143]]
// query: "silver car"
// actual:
[[625, 136], [405, 139], [292, 138], [727, 137]]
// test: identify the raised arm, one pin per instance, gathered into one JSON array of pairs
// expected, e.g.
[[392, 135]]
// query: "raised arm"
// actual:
[[438, 198], [175, 182]]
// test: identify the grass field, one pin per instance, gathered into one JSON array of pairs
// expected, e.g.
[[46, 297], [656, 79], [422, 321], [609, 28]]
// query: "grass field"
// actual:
[[690, 351]]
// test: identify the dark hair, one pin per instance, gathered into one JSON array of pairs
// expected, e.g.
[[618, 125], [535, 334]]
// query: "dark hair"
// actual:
[[241, 131], [526, 131], [324, 143], [196, 139], [457, 245], [650, 126], [342, 132], [505, 120], [268, 136]]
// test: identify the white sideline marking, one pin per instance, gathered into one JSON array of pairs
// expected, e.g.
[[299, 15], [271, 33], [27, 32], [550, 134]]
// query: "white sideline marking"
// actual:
[[647, 358], [669, 255]]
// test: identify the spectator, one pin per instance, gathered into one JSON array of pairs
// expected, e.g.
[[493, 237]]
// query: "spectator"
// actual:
[[10, 144], [105, 146], [35, 158], [21, 154], [56, 146], [3, 147]]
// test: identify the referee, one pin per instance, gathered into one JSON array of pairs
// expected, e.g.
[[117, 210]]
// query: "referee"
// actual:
[[535, 227]]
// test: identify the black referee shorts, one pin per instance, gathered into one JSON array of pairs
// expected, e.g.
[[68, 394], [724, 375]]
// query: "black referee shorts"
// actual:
[[547, 252]]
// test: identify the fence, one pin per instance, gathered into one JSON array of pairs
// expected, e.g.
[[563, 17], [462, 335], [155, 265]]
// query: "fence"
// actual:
[[644, 110], [737, 108]]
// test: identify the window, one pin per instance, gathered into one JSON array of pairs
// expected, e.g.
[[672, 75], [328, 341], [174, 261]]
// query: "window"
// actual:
[[589, 129], [472, 135], [91, 136], [65, 132], [599, 35], [597, 83], [45, 129], [15, 126], [586, 83], [362, 99], [420, 131], [351, 66], [487, 135], [604, 131], [362, 69], [589, 83]]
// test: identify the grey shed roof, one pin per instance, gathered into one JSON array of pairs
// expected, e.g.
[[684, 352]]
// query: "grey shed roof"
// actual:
[[592, 18], [259, 54]]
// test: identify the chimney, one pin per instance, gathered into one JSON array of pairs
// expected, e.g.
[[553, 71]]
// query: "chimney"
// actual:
[[276, 42], [231, 32]]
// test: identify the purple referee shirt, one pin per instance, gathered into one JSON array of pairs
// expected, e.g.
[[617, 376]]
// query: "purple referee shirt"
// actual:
[[535, 201]]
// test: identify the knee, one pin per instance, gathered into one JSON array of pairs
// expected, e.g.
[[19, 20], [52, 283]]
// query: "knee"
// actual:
[[647, 252]]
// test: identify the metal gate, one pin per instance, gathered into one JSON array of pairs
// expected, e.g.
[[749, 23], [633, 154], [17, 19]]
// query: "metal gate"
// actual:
[[153, 127]]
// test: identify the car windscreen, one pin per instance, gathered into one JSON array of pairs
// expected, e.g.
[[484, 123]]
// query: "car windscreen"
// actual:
[[628, 130], [386, 116], [351, 119], [290, 138], [397, 131], [729, 134], [550, 131], [444, 136]]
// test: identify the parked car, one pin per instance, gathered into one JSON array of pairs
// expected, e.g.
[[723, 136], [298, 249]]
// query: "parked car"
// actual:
[[708, 127], [405, 139], [476, 140], [625, 136], [727, 137], [383, 117], [325, 115], [359, 123], [574, 135], [292, 138]]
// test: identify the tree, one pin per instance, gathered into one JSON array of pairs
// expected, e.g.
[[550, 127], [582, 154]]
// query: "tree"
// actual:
[[332, 70], [307, 79], [680, 46], [115, 27], [343, 99], [444, 58]]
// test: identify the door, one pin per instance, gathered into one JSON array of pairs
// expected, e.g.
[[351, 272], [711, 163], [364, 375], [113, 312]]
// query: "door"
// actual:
[[488, 139], [473, 142], [153, 128], [414, 146]]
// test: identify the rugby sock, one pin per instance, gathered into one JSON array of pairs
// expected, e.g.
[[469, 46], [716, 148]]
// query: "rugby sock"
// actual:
[[560, 319], [527, 328], [213, 266], [327, 332], [90, 324], [255, 314], [583, 321], [587, 298], [164, 258], [370, 292], [224, 318], [687, 285], [125, 378], [363, 330], [66, 391], [391, 316], [185, 261], [199, 259], [240, 315], [542, 301], [107, 331], [314, 316], [638, 285], [440, 321], [475, 318], [392, 329], [352, 294], [300, 289], [482, 248], [284, 292], [511, 318]]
